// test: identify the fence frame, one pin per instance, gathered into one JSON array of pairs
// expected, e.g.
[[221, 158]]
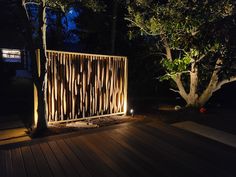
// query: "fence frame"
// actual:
[[104, 57]]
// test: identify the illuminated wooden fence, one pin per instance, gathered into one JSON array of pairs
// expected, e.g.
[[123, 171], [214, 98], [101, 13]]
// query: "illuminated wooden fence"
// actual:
[[83, 86]]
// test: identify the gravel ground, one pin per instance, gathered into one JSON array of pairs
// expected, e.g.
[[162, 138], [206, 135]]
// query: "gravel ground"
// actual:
[[91, 124]]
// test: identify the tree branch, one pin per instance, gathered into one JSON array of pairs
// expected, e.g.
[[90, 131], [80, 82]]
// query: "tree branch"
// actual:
[[194, 33], [167, 47], [180, 72], [212, 84], [30, 2], [176, 91], [139, 26], [25, 8], [60, 8], [158, 53], [201, 57], [180, 86], [223, 82]]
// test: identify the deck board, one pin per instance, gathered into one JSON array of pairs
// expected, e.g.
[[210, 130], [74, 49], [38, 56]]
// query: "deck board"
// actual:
[[3, 163], [97, 163], [75, 161], [140, 149], [18, 167], [8, 161], [29, 161], [118, 155], [40, 161], [134, 161], [52, 161], [196, 145], [88, 163], [96, 148], [101, 153], [189, 164], [64, 163], [192, 140], [127, 150], [158, 152]]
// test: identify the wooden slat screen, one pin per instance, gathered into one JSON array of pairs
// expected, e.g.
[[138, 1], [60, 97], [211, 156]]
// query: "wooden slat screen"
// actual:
[[85, 86]]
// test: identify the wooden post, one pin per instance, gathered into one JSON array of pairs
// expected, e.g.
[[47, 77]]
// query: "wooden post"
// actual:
[[125, 85], [35, 106]]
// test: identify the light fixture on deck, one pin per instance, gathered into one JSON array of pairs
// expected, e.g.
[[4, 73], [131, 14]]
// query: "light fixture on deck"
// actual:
[[131, 111]]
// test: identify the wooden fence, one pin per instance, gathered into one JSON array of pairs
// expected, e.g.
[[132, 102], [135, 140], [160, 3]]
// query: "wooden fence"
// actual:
[[83, 86]]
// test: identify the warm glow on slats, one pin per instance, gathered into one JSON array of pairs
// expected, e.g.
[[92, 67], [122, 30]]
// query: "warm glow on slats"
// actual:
[[85, 85]]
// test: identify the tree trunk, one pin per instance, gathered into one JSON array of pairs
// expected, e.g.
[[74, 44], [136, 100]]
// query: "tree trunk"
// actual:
[[194, 99], [41, 85], [113, 29], [38, 72]]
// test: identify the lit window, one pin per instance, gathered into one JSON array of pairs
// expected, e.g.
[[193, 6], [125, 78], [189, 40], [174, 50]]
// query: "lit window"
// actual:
[[11, 55]]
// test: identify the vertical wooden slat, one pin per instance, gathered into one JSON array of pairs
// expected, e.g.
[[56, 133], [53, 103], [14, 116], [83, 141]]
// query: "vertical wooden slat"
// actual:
[[119, 85], [99, 86], [55, 86], [70, 85], [49, 112], [52, 88], [61, 86], [95, 85], [64, 85], [86, 86], [78, 86], [89, 85], [73, 87], [67, 87], [52, 85], [81, 85], [114, 86], [58, 87], [106, 85], [102, 87], [125, 85]]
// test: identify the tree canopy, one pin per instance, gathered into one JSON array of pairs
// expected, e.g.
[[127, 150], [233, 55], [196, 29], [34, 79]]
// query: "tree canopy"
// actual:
[[194, 37]]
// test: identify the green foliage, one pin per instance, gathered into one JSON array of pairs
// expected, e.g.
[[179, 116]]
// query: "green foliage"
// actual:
[[178, 20], [191, 30], [177, 65]]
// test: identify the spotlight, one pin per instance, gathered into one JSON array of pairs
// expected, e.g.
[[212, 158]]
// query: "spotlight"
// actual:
[[131, 112]]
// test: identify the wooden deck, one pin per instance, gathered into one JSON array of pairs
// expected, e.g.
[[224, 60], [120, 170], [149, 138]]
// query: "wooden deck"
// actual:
[[137, 149]]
